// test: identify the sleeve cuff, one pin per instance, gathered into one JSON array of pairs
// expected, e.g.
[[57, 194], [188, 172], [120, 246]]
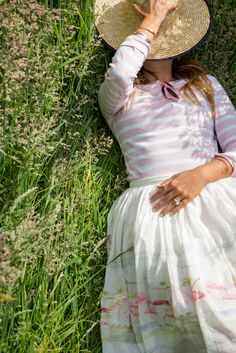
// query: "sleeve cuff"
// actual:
[[229, 159]]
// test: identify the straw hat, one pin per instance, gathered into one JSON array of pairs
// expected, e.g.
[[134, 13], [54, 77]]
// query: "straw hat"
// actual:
[[183, 29]]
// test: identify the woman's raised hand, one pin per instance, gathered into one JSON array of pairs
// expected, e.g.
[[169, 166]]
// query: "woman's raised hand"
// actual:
[[156, 10]]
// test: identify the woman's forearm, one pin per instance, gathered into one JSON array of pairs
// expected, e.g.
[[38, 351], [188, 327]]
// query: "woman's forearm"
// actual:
[[122, 71], [129, 57], [154, 14], [151, 23], [119, 78], [216, 169]]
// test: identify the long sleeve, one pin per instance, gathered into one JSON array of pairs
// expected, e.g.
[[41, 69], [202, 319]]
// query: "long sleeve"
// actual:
[[225, 125], [120, 76]]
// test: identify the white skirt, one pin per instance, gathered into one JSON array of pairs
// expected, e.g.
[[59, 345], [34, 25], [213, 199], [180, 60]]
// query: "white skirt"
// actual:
[[170, 283]]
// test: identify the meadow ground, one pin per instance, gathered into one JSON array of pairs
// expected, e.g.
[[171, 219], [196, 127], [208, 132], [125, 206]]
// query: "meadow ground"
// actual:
[[61, 169]]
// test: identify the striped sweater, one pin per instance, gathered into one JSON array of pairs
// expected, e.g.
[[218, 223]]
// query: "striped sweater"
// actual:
[[158, 136]]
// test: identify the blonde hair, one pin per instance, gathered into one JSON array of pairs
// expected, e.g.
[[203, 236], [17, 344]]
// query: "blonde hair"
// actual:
[[196, 74]]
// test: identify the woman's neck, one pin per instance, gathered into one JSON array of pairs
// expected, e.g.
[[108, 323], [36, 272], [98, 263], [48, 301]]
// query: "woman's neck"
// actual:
[[157, 70]]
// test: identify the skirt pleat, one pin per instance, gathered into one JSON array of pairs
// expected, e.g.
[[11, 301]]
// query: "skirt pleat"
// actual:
[[170, 282]]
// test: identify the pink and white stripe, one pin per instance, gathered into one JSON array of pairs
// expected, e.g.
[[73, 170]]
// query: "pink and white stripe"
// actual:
[[158, 136]]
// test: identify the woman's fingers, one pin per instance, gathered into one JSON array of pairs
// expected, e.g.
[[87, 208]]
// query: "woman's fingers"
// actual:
[[138, 9], [161, 190], [173, 6], [156, 8], [165, 198], [157, 195], [143, 9], [176, 209], [172, 208]]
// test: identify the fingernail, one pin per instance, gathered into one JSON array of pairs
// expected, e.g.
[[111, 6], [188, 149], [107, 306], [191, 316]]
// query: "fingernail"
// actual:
[[161, 214], [171, 213]]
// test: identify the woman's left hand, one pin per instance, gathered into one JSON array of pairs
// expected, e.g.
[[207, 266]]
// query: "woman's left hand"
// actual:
[[176, 192]]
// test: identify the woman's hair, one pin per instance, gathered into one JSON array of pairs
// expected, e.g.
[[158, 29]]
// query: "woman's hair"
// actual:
[[196, 75]]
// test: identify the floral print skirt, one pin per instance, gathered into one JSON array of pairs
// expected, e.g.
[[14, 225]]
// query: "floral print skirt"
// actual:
[[170, 283]]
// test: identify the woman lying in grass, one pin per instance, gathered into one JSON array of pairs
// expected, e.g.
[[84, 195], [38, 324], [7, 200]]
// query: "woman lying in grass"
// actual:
[[170, 282]]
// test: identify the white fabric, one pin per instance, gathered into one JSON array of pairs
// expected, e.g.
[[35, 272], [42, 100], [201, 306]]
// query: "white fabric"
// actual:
[[170, 283]]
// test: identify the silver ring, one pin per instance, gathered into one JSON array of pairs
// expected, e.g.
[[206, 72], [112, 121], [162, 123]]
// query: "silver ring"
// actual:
[[177, 202]]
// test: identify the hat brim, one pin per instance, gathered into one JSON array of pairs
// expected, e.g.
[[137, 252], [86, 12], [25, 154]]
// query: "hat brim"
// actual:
[[180, 32]]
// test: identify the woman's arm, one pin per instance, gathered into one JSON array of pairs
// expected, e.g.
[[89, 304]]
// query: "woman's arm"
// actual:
[[186, 185], [120, 76], [225, 125], [129, 58], [224, 164]]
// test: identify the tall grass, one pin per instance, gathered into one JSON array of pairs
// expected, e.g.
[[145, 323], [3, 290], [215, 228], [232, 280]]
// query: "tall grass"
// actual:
[[61, 169]]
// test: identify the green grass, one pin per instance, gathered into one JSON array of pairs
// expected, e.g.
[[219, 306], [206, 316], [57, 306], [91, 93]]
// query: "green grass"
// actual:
[[61, 169]]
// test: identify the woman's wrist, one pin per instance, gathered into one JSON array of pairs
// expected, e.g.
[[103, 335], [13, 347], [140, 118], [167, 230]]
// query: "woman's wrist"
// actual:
[[216, 169], [143, 35], [228, 167], [146, 33], [149, 25], [153, 22]]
